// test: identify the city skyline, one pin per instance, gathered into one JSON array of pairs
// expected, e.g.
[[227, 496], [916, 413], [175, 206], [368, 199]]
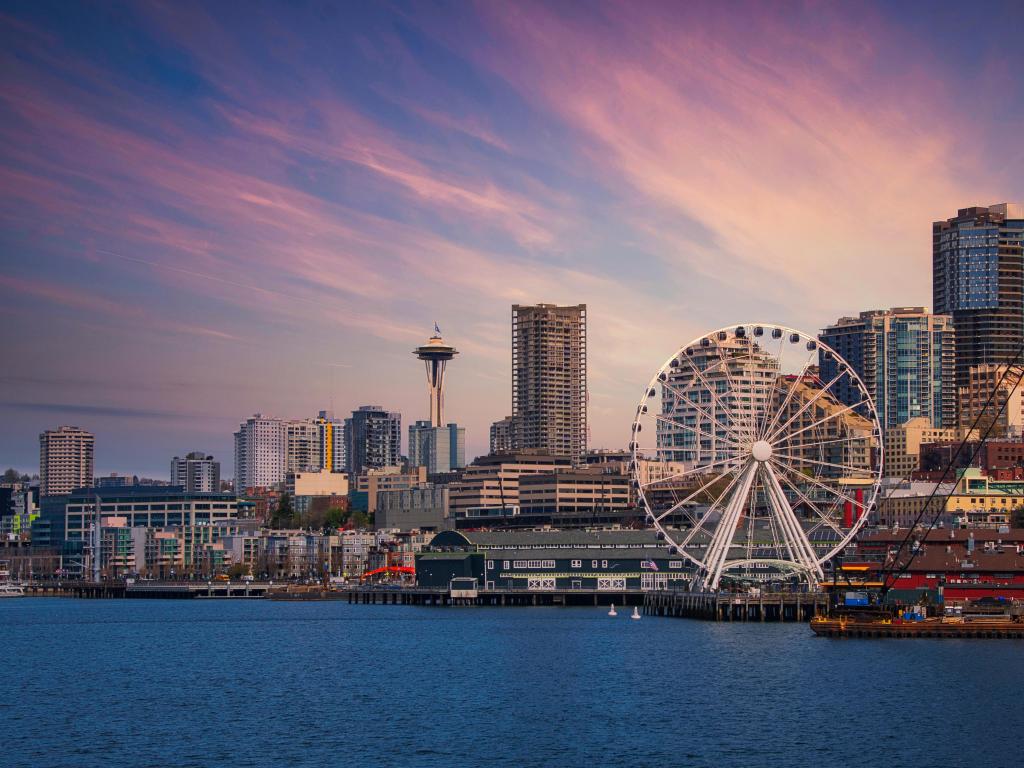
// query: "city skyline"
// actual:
[[200, 227]]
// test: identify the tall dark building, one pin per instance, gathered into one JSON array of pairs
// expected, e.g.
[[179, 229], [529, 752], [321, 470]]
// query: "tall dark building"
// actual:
[[374, 439], [978, 279], [549, 378]]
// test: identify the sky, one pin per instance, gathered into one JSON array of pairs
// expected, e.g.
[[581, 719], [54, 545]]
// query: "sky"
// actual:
[[216, 209]]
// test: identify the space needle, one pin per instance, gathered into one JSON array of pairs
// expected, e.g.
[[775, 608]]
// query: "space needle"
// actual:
[[436, 354]]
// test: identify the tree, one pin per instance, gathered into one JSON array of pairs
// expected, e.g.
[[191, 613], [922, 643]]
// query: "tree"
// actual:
[[334, 518], [284, 514], [12, 476], [359, 520], [238, 570]]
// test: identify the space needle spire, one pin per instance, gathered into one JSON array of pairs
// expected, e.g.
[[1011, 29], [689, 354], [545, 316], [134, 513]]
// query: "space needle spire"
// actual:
[[436, 354]]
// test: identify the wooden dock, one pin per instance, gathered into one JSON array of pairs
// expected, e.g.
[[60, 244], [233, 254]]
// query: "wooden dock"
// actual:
[[490, 597], [722, 606], [184, 590]]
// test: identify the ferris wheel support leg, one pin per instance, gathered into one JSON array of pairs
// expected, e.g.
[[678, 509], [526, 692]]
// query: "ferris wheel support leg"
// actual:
[[793, 534], [718, 549]]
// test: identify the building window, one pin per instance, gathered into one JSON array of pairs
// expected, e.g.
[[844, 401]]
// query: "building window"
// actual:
[[490, 565], [604, 563], [577, 563]]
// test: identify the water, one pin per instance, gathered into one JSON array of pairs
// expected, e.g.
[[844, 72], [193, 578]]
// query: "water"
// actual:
[[233, 683]]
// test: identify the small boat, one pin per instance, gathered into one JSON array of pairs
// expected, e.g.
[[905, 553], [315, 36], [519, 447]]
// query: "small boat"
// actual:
[[636, 613], [612, 611], [7, 589]]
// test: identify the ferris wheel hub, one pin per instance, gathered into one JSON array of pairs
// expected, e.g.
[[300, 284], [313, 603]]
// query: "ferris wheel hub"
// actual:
[[762, 451]]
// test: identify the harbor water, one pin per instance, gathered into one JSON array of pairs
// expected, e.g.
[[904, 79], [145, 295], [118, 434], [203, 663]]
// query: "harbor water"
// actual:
[[261, 683]]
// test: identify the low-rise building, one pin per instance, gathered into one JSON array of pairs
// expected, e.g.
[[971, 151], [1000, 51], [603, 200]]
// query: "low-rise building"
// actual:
[[992, 401], [903, 445], [576, 498], [490, 485], [975, 500], [421, 508], [374, 481], [604, 561], [304, 487]]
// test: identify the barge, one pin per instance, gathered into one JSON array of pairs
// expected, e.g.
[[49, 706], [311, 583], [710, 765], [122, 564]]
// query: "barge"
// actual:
[[958, 627]]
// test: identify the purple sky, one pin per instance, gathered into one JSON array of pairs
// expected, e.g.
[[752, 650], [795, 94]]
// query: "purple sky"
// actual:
[[216, 209]]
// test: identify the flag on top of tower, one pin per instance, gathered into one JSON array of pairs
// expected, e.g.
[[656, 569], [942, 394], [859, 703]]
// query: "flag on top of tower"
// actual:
[[437, 330]]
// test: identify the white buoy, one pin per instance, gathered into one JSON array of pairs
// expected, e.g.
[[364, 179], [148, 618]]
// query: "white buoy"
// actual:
[[636, 613], [612, 611]]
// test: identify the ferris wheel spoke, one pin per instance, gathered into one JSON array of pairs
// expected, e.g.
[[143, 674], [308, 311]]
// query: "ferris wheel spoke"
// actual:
[[750, 533], [777, 542], [845, 467], [818, 443], [714, 395], [834, 415], [732, 383], [719, 403], [825, 518], [788, 399], [707, 512], [678, 424], [803, 409], [752, 387], [690, 497], [686, 473], [722, 539], [814, 481], [771, 393], [791, 529]]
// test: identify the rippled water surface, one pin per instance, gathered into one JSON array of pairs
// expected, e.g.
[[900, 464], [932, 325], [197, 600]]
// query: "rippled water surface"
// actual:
[[232, 683]]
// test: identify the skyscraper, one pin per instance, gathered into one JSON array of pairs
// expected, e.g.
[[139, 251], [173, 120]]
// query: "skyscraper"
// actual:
[[549, 378], [196, 473], [978, 279], [906, 359], [260, 453], [65, 460], [374, 438]]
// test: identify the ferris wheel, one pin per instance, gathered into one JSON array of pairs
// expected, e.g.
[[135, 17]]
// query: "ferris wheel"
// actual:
[[756, 453]]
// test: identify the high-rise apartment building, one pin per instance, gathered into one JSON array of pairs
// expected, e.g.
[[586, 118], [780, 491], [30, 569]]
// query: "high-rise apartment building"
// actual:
[[906, 358], [439, 449], [978, 279], [332, 441], [503, 435], [65, 460], [374, 438], [740, 372], [196, 473], [260, 453], [302, 446], [549, 378]]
